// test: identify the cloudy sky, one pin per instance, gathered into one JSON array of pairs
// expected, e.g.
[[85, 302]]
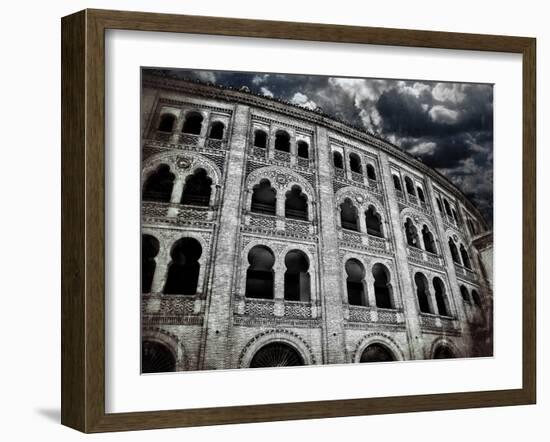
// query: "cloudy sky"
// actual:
[[448, 126]]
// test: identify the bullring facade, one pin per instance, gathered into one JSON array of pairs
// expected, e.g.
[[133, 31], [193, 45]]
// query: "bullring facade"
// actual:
[[274, 235]]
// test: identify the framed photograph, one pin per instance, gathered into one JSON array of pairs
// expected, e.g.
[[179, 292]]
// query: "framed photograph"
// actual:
[[266, 221]]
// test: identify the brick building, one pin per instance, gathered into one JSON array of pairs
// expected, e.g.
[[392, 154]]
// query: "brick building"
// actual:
[[275, 235]]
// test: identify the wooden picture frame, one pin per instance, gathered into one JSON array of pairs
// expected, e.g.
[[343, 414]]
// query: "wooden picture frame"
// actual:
[[83, 220]]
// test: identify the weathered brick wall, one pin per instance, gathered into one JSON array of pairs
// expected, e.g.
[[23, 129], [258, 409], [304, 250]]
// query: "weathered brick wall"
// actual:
[[218, 327]]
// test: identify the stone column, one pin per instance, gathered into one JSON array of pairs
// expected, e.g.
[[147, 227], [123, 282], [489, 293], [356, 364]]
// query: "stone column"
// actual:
[[432, 300], [161, 270], [217, 322], [177, 190], [176, 129], [279, 290], [280, 209], [293, 151], [405, 286], [362, 220], [331, 284], [369, 287]]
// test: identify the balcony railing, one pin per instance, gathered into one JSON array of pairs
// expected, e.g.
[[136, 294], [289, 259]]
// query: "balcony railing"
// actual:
[[170, 306], [424, 257], [375, 315], [281, 225], [275, 308], [189, 139], [212, 143], [357, 177], [259, 152], [281, 156], [465, 273], [339, 173], [374, 186], [437, 323], [263, 221], [303, 162], [164, 137]]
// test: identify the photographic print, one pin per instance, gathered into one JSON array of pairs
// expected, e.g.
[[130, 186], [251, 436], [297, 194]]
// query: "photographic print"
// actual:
[[295, 220]]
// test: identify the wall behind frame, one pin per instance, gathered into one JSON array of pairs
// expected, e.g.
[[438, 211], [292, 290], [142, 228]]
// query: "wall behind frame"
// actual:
[[30, 261]]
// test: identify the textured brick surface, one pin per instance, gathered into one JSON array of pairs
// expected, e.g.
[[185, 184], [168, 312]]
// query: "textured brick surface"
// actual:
[[218, 327]]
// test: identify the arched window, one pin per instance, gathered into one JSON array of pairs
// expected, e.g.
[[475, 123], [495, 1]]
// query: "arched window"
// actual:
[[303, 149], [382, 286], [447, 208], [158, 186], [183, 271], [354, 282], [440, 297], [373, 221], [282, 141], [166, 123], [428, 238], [296, 203], [216, 130], [197, 189], [371, 174], [420, 193], [443, 352], [454, 251], [156, 358], [149, 250], [471, 227], [193, 123], [455, 216], [276, 354], [337, 160], [439, 206], [348, 215], [411, 233], [465, 257], [422, 292], [464, 293], [297, 285], [409, 186], [377, 353], [260, 139], [355, 163], [264, 198], [476, 298], [259, 276], [397, 183]]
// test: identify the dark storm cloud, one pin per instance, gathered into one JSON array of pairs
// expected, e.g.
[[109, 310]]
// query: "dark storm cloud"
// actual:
[[448, 126]]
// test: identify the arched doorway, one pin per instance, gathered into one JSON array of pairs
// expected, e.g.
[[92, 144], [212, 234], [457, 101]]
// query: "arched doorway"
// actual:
[[149, 250], [382, 286], [197, 189], [276, 354], [296, 204], [158, 186], [422, 292], [193, 124], [348, 215], [264, 198], [156, 358], [297, 284], [183, 272], [443, 352], [260, 275], [377, 353], [354, 282]]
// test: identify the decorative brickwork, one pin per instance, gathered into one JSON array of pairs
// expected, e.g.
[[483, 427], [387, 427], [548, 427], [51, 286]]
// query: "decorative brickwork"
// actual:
[[348, 265]]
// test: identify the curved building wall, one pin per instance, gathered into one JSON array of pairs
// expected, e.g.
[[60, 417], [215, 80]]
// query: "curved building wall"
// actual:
[[350, 240]]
